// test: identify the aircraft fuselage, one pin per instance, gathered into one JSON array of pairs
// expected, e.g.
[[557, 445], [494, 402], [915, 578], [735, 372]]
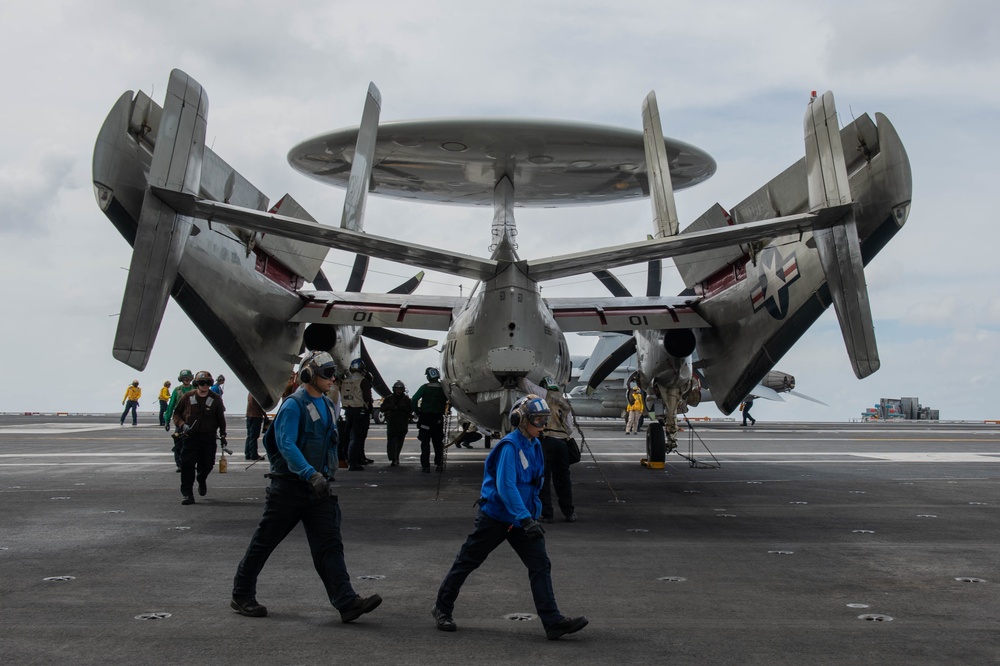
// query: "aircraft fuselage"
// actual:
[[506, 333]]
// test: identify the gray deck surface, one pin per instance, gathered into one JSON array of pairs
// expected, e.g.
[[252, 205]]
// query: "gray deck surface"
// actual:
[[777, 551]]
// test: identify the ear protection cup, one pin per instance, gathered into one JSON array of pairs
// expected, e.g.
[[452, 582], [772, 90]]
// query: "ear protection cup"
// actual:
[[306, 374], [517, 412]]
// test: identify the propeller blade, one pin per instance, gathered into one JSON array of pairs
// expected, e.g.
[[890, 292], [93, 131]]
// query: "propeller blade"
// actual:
[[358, 273], [321, 282], [409, 286], [654, 277], [396, 339], [608, 365], [377, 382], [613, 284], [806, 397], [766, 393]]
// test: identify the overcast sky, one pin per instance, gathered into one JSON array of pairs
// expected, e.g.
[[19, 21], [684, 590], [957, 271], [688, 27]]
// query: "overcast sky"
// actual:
[[732, 78]]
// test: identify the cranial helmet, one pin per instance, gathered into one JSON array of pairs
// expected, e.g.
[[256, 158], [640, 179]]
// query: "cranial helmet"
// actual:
[[433, 374], [317, 364], [220, 379], [185, 375], [399, 385], [204, 376], [357, 365], [529, 407], [135, 382]]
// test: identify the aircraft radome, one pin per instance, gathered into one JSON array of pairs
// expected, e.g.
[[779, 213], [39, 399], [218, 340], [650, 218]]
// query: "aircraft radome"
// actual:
[[757, 276]]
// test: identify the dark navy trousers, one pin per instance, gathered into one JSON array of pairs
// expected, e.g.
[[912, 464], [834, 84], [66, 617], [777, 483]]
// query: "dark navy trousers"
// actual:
[[489, 534], [289, 502]]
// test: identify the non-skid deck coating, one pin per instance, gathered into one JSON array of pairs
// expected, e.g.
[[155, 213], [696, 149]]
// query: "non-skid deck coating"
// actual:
[[770, 558]]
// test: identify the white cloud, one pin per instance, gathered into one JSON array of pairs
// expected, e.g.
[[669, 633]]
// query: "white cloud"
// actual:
[[731, 77]]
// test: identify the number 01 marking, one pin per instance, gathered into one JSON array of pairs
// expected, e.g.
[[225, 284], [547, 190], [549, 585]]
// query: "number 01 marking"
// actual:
[[636, 320], [363, 316]]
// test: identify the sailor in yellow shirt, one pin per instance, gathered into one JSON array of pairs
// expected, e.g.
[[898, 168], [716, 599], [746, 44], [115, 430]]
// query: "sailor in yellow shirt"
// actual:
[[131, 401], [164, 399], [635, 409]]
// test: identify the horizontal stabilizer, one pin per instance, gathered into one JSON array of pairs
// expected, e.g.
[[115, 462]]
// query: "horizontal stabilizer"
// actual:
[[156, 256], [838, 247]]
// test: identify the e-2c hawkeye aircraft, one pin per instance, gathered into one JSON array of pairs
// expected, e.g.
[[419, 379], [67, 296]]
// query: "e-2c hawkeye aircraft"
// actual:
[[757, 277]]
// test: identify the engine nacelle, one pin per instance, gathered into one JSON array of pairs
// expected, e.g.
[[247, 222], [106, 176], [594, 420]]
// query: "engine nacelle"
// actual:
[[679, 342], [778, 381], [320, 337]]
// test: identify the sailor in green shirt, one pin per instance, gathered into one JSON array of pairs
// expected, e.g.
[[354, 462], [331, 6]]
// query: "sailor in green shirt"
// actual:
[[430, 403]]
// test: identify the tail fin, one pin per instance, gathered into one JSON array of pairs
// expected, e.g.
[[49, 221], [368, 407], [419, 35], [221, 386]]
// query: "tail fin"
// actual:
[[161, 233], [658, 169], [839, 247], [239, 289], [762, 302], [361, 169]]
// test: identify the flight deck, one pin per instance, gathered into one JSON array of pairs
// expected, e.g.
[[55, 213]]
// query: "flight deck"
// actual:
[[780, 543]]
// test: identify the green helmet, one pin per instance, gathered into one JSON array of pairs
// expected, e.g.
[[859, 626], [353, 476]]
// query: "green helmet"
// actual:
[[185, 375]]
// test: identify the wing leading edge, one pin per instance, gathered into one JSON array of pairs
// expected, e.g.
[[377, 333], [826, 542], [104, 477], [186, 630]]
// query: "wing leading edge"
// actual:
[[476, 268]]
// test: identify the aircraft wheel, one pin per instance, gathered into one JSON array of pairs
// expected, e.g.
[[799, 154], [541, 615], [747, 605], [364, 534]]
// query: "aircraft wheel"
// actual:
[[656, 443]]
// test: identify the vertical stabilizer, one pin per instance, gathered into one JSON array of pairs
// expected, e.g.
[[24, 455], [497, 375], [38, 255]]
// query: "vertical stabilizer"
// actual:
[[661, 189], [839, 247], [162, 233], [361, 168]]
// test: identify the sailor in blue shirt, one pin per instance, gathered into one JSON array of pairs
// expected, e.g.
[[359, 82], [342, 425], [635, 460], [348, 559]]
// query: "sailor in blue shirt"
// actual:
[[509, 511], [302, 449]]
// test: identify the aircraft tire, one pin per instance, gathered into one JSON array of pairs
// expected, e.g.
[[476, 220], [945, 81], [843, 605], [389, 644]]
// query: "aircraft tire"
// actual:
[[656, 442]]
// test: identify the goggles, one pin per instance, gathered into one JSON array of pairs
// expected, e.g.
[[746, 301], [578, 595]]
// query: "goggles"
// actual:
[[327, 371], [538, 420], [203, 382]]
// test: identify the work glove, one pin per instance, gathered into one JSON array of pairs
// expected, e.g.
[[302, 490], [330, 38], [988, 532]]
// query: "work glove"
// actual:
[[167, 427], [224, 443], [320, 486], [533, 529]]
